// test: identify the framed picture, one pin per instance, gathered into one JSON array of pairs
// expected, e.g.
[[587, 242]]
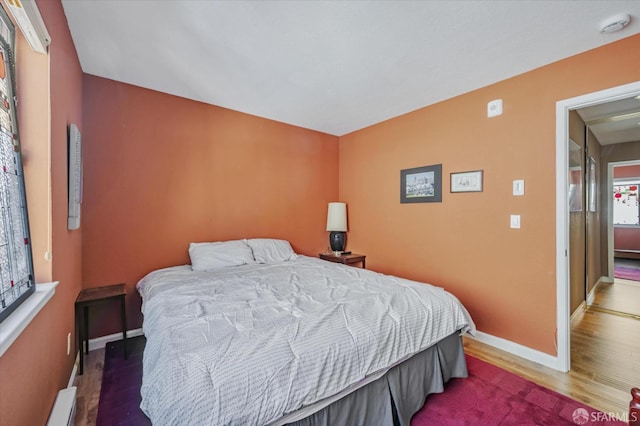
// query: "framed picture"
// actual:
[[466, 181], [592, 190], [421, 184]]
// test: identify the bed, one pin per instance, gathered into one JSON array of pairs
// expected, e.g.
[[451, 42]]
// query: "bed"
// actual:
[[258, 335]]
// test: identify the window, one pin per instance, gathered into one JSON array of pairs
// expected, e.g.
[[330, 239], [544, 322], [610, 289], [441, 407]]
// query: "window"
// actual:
[[626, 209], [16, 264]]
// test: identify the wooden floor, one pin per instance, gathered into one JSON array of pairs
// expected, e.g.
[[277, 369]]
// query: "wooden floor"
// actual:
[[88, 393], [605, 365], [621, 296]]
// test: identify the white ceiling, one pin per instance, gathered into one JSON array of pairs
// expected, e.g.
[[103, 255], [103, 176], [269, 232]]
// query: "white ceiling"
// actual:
[[332, 66]]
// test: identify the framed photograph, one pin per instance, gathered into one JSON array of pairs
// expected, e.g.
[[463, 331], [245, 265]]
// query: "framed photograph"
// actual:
[[592, 190], [466, 181], [421, 184]]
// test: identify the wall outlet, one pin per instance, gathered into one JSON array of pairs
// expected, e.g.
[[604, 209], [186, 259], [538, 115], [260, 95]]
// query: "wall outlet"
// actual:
[[515, 221], [68, 343]]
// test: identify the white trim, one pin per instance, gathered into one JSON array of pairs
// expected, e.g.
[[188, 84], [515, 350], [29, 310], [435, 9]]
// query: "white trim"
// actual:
[[606, 280], [610, 227], [563, 359], [101, 342], [578, 311], [626, 181], [610, 243], [562, 236], [592, 293], [74, 371], [517, 349], [19, 319], [622, 181]]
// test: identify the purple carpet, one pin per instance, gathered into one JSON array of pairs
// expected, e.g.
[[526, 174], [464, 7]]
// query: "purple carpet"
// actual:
[[493, 396], [626, 273], [489, 396], [121, 380]]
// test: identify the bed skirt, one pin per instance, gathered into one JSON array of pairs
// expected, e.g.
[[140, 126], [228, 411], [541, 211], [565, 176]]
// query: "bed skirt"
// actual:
[[396, 396]]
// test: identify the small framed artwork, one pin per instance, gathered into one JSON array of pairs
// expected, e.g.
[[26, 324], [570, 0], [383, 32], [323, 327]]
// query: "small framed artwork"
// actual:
[[466, 181], [421, 184]]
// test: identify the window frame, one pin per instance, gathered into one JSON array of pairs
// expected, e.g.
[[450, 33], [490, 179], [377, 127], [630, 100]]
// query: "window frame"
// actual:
[[625, 182], [7, 29]]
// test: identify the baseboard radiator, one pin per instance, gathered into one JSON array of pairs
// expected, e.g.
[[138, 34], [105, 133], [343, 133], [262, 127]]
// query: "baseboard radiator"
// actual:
[[64, 409]]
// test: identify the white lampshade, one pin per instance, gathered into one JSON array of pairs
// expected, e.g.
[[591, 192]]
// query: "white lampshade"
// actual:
[[337, 217]]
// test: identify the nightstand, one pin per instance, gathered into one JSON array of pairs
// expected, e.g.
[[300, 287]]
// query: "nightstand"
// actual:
[[346, 259], [92, 296]]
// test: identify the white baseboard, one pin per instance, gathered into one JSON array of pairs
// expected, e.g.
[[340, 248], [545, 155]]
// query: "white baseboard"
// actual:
[[74, 371], [578, 311], [101, 342], [606, 280], [519, 350], [592, 293]]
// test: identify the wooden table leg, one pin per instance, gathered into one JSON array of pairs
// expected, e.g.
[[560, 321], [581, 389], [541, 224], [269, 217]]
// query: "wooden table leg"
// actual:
[[80, 337], [85, 337], [123, 311], [90, 296]]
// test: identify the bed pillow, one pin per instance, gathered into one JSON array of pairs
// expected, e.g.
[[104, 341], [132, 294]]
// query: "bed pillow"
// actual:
[[208, 256], [267, 250]]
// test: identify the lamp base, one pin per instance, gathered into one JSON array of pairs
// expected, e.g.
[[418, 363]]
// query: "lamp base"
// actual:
[[337, 241]]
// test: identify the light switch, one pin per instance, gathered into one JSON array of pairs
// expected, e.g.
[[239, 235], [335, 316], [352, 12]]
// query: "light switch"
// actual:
[[515, 221], [518, 187]]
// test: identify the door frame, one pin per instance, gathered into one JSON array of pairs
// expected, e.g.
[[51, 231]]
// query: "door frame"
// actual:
[[610, 242], [563, 358]]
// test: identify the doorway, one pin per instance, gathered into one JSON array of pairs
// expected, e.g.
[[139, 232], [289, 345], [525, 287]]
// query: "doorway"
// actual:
[[621, 293], [563, 249]]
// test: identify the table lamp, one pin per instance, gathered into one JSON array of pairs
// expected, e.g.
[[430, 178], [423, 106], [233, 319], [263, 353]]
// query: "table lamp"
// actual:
[[337, 225]]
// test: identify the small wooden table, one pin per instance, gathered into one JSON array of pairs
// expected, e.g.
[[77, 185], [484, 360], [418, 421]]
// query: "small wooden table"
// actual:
[[347, 259], [92, 296]]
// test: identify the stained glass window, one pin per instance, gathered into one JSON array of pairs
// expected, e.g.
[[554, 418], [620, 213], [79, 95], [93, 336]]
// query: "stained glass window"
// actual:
[[16, 265], [626, 209]]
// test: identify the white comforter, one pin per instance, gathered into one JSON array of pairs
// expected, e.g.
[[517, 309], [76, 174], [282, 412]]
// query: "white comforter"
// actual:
[[249, 344]]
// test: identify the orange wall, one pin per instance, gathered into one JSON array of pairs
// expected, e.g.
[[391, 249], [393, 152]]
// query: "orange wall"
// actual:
[[162, 171], [36, 366], [505, 277]]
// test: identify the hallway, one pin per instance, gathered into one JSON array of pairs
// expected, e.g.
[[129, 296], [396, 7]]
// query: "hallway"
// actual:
[[621, 296]]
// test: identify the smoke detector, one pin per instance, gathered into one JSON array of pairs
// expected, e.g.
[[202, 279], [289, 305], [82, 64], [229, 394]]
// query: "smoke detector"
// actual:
[[615, 23]]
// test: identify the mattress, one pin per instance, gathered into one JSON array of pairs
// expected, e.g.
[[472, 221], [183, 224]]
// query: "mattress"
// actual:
[[251, 344]]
